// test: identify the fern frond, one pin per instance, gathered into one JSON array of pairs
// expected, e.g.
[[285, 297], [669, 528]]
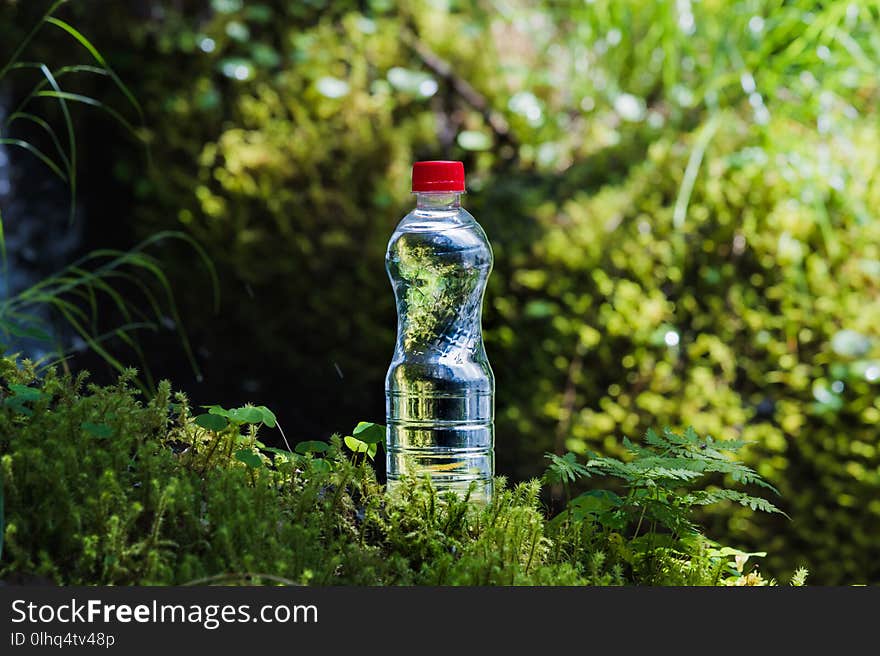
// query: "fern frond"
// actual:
[[709, 497], [564, 469]]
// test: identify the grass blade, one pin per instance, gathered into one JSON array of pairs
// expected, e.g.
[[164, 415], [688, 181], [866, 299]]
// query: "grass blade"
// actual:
[[33, 118], [58, 73], [207, 262], [25, 325], [88, 100], [153, 266], [69, 312], [71, 138], [80, 283], [39, 154], [76, 34]]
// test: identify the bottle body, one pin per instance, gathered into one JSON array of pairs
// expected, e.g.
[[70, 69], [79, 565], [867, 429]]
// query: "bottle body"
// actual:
[[439, 390]]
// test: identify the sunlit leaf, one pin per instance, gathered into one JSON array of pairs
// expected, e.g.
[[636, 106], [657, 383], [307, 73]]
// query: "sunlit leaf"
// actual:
[[369, 433], [355, 444]]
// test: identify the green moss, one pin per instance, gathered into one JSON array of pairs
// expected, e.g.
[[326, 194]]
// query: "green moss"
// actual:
[[102, 487]]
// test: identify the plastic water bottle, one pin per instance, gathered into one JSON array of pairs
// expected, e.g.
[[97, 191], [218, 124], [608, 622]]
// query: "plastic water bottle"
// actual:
[[439, 391]]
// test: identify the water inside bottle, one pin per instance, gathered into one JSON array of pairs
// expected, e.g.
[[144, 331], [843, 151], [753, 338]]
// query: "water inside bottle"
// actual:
[[440, 387]]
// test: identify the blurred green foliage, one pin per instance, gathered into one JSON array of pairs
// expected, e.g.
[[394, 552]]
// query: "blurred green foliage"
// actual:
[[680, 196]]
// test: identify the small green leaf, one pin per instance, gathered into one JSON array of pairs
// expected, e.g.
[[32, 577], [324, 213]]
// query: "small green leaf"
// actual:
[[359, 446], [243, 415], [98, 430], [249, 458], [268, 416], [321, 465], [211, 422], [355, 444], [368, 432], [23, 394], [26, 393], [312, 446], [216, 410], [246, 415]]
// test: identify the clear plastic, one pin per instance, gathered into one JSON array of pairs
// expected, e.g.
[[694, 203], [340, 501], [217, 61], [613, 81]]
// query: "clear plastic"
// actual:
[[439, 391]]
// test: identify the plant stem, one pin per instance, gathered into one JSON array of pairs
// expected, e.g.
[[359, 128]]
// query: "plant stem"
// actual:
[[209, 454], [639, 525]]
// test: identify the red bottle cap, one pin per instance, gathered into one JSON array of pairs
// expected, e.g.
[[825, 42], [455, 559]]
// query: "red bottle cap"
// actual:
[[438, 176]]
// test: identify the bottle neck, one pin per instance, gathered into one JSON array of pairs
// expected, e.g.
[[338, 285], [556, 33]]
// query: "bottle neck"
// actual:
[[438, 200]]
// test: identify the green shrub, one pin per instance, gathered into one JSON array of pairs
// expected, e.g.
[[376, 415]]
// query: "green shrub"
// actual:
[[100, 487]]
